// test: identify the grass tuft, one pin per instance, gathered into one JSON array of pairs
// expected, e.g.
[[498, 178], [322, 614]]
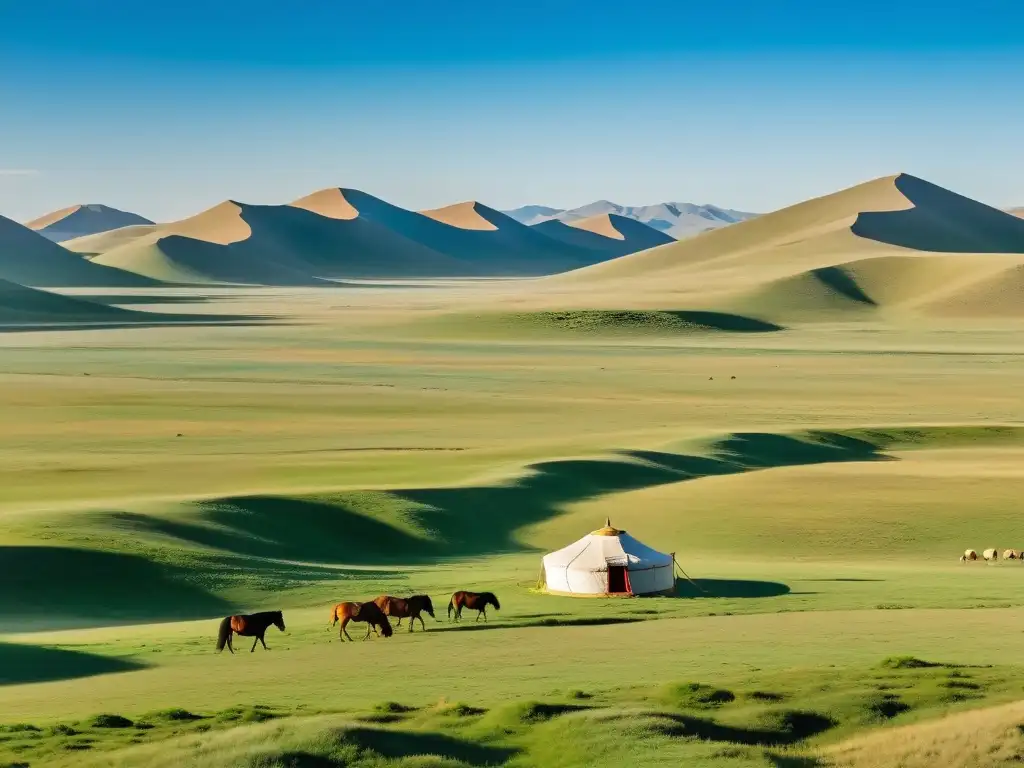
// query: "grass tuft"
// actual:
[[907, 662], [698, 696], [110, 721], [885, 706]]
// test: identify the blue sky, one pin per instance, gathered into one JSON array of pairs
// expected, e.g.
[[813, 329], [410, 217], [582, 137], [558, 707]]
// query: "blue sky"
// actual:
[[166, 109]]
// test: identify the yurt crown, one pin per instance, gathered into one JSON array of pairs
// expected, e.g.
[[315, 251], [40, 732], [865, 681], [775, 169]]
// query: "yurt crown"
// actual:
[[608, 529]]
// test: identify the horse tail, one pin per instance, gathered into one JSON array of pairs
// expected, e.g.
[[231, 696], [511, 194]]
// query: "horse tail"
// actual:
[[224, 633], [451, 605], [334, 616]]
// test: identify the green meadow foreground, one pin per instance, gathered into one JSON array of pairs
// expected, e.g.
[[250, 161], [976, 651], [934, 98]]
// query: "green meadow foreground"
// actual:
[[817, 484]]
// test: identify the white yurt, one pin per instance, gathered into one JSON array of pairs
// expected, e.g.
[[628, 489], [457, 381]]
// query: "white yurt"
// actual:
[[606, 562]]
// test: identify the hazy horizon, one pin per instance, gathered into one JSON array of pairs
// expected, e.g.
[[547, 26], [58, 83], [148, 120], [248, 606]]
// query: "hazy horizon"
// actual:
[[167, 116]]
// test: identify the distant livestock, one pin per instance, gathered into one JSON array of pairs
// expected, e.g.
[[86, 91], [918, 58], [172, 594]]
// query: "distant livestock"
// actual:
[[970, 554], [991, 555], [1011, 554]]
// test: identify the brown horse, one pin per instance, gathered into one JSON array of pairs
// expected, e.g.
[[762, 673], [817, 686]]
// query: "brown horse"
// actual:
[[474, 601], [248, 625], [410, 608], [368, 612]]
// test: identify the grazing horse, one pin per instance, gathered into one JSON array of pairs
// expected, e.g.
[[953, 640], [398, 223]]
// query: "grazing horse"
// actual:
[[368, 612], [475, 601], [410, 607], [252, 625]]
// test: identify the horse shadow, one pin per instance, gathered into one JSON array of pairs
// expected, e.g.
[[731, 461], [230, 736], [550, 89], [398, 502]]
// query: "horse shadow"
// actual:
[[36, 664]]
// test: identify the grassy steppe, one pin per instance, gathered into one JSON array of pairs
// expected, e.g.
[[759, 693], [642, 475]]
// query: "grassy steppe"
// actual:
[[817, 483]]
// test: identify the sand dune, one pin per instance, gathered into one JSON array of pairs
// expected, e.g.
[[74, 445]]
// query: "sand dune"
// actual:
[[485, 241], [223, 224], [82, 220], [995, 295], [609, 233], [470, 215], [895, 212], [344, 233], [101, 242], [602, 224], [905, 283], [274, 245], [852, 251], [330, 203], [893, 244], [28, 258]]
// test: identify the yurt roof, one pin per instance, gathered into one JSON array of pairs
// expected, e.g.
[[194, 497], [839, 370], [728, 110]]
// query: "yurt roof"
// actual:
[[606, 547]]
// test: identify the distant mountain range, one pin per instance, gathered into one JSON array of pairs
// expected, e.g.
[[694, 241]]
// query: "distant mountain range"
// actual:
[[678, 220]]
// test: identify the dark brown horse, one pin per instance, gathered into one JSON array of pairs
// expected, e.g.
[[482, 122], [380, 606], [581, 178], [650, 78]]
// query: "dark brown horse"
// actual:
[[368, 612], [475, 601], [410, 608], [248, 625]]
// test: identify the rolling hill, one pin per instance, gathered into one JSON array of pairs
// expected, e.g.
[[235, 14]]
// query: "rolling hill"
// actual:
[[82, 220], [342, 233], [678, 220], [897, 242], [28, 258]]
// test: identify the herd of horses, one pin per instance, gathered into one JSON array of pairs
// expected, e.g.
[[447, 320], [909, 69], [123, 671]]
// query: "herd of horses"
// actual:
[[375, 614], [992, 555]]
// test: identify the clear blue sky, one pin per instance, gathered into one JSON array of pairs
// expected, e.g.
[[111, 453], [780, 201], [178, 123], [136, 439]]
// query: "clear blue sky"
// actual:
[[165, 109]]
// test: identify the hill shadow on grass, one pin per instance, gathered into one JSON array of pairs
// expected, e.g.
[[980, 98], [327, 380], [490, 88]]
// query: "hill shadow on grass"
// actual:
[[36, 664], [425, 525], [66, 587], [321, 529]]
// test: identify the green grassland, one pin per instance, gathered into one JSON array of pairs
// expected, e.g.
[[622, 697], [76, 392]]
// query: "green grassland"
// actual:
[[817, 484]]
